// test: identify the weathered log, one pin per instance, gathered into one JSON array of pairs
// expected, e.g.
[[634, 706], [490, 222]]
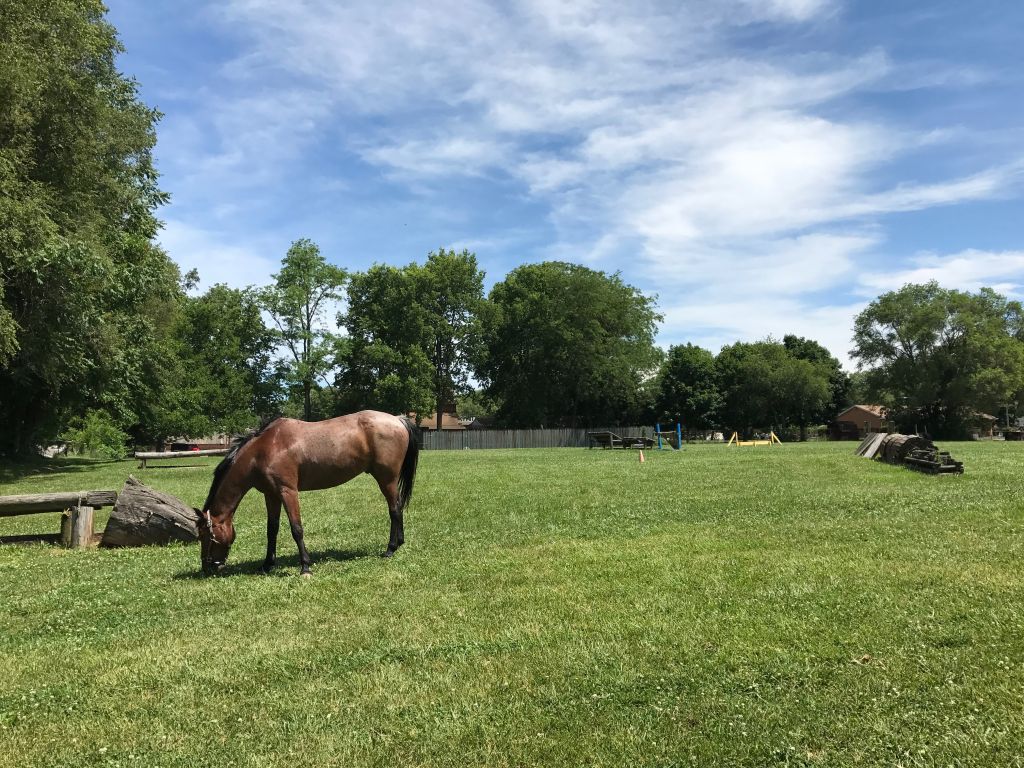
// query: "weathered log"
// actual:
[[32, 503], [145, 516]]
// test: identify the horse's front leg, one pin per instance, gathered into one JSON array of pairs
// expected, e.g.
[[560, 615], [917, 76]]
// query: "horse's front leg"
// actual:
[[273, 525], [290, 497]]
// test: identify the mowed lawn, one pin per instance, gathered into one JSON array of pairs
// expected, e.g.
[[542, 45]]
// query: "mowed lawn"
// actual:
[[716, 606]]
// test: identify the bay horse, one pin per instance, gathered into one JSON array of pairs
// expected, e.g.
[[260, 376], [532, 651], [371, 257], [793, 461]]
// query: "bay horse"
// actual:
[[287, 456]]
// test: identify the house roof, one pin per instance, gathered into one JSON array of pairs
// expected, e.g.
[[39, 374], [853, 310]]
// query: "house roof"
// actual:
[[874, 410], [448, 421]]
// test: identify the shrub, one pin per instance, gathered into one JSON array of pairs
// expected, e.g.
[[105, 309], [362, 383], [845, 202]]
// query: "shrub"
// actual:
[[97, 434]]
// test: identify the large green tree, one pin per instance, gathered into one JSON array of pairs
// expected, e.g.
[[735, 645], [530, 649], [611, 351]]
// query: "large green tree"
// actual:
[[935, 355], [411, 332], [229, 381], [564, 345], [382, 359], [297, 302], [451, 294], [764, 385], [86, 296], [687, 388], [839, 383]]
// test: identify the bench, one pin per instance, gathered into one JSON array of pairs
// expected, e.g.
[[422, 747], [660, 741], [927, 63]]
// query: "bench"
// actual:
[[612, 440], [77, 508], [604, 439]]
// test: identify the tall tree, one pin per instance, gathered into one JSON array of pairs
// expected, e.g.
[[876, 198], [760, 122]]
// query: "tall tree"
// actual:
[[934, 355], [839, 382], [86, 296], [411, 333], [382, 359], [227, 352], [296, 302], [566, 345], [763, 384], [687, 388], [451, 293]]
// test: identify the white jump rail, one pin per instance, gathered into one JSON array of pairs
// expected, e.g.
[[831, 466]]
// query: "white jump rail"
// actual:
[[144, 456]]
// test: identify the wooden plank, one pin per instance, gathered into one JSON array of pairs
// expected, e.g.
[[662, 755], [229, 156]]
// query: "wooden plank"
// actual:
[[33, 503]]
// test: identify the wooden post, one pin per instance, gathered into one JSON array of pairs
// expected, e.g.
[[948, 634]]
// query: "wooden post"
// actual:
[[65, 529], [81, 527]]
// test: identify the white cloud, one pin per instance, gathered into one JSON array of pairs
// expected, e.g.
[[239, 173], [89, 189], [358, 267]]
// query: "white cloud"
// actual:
[[217, 260], [967, 271]]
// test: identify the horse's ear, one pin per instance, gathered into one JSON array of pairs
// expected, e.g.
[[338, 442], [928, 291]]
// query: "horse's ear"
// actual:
[[199, 517]]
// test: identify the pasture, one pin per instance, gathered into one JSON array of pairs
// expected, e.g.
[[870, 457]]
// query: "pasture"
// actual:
[[718, 606]]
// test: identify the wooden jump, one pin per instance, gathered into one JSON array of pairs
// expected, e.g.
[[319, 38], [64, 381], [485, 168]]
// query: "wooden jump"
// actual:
[[144, 456], [76, 524], [772, 440]]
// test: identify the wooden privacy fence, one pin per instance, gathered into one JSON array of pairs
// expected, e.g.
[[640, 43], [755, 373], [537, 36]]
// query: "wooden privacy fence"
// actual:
[[457, 440], [76, 525]]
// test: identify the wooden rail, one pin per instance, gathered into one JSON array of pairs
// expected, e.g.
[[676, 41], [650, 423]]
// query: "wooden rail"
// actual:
[[144, 456], [77, 508], [32, 503]]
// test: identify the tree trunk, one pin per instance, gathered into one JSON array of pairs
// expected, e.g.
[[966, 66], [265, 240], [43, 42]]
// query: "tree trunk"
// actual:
[[144, 516]]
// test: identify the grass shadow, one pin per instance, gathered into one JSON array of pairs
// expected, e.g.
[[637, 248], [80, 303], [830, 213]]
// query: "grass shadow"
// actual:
[[30, 538], [286, 566], [13, 471]]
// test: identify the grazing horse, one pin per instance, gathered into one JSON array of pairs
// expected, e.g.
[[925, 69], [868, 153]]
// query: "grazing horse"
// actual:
[[287, 456]]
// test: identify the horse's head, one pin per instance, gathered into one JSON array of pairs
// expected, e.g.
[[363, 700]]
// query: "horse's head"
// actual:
[[216, 534]]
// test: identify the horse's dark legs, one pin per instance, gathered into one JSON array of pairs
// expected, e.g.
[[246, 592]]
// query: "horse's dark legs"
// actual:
[[273, 525], [397, 537], [291, 505]]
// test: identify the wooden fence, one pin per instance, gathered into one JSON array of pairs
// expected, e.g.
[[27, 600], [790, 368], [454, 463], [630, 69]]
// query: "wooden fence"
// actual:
[[457, 440]]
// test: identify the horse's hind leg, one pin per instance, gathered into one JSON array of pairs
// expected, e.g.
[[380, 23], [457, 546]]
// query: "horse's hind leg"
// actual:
[[397, 537], [290, 497], [273, 525]]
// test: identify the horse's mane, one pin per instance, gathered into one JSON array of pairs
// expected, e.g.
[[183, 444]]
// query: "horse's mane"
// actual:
[[222, 469]]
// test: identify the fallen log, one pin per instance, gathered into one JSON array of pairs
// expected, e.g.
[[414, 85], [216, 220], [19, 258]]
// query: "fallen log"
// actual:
[[144, 516]]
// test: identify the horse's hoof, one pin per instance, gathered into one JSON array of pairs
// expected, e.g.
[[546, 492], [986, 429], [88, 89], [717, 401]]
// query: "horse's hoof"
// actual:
[[388, 553], [306, 574]]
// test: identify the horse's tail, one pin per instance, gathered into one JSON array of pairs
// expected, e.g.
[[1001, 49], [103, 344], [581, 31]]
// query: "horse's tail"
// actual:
[[407, 476]]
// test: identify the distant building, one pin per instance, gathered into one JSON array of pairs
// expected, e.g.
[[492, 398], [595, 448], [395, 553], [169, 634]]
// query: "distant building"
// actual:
[[857, 420], [449, 421]]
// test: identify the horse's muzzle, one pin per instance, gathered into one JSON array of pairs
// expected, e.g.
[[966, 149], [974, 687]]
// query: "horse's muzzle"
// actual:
[[211, 567]]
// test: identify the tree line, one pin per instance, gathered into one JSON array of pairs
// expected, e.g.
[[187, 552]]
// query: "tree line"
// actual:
[[104, 341]]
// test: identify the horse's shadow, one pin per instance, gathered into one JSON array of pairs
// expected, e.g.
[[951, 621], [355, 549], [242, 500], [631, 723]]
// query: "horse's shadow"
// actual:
[[287, 565]]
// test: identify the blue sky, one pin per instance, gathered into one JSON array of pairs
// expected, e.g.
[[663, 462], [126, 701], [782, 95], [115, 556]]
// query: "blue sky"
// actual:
[[763, 166]]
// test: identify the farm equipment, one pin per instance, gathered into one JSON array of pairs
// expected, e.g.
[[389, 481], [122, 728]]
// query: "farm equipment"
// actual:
[[911, 451]]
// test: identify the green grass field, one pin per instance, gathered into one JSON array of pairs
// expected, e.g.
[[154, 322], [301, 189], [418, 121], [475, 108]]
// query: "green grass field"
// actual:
[[718, 606]]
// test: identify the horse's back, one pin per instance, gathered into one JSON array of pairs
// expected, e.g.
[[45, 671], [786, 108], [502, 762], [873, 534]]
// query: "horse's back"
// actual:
[[322, 454]]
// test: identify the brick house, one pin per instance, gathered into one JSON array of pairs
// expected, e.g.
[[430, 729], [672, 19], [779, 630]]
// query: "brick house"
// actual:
[[863, 419]]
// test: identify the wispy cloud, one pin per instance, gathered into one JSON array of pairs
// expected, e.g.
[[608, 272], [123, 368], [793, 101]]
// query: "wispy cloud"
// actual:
[[652, 137], [967, 270]]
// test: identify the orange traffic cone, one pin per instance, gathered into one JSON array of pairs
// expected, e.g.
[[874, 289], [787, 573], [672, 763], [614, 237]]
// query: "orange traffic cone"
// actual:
[[642, 459]]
